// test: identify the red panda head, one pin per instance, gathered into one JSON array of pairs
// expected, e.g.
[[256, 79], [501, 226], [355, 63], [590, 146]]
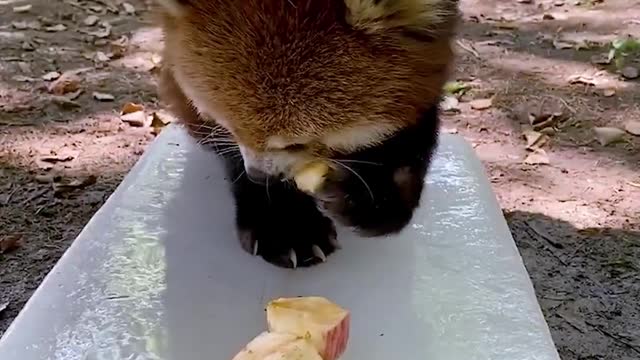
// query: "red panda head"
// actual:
[[291, 81]]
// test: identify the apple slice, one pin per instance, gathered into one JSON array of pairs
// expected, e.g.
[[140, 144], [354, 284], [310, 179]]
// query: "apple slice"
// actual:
[[323, 323], [311, 176], [278, 346]]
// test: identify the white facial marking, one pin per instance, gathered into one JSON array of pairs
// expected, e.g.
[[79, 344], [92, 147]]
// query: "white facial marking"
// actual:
[[357, 137], [280, 142], [272, 163]]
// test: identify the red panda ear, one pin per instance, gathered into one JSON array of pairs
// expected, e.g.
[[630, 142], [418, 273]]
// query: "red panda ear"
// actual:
[[174, 7], [429, 17]]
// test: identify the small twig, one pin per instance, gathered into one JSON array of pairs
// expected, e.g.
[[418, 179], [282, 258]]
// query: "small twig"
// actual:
[[469, 48], [551, 250], [636, 185], [544, 236], [35, 195], [41, 208], [571, 322], [565, 103], [560, 259], [575, 251], [8, 199], [615, 337]]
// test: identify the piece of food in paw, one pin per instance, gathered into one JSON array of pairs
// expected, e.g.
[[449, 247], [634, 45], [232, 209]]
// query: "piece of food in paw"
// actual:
[[311, 176], [322, 322], [278, 346]]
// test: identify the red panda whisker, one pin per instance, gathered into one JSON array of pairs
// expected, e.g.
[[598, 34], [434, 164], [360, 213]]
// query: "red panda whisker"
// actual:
[[356, 174]]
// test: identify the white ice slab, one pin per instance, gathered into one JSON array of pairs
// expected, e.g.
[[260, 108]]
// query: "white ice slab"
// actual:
[[158, 274]]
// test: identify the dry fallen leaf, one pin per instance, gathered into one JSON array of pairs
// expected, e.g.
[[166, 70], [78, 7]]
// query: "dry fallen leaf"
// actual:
[[449, 104], [582, 79], [50, 76], [609, 92], [28, 46], [22, 9], [128, 8], [122, 42], [601, 59], [130, 107], [62, 156], [9, 243], [563, 44], [135, 119], [157, 123], [103, 96], [74, 95], [56, 28], [65, 102], [100, 57], [608, 135], [481, 104], [66, 83], [24, 67], [633, 127], [509, 25], [22, 78], [496, 42], [630, 72], [24, 25], [544, 120], [96, 8], [535, 140], [20, 25], [67, 186], [91, 20], [549, 131], [537, 157], [102, 33]]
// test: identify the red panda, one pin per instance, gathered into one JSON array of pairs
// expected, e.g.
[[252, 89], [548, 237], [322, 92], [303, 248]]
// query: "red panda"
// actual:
[[273, 85]]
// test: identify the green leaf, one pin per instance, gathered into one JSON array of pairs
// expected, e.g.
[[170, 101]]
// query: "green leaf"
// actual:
[[628, 45], [456, 87]]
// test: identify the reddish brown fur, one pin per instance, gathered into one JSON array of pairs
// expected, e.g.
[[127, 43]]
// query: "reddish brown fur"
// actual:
[[296, 68]]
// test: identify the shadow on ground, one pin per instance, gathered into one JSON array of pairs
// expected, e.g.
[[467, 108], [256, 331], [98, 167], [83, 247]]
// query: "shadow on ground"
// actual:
[[589, 286], [45, 223]]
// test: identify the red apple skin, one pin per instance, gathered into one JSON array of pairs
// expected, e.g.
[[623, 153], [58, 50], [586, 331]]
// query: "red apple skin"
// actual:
[[337, 340]]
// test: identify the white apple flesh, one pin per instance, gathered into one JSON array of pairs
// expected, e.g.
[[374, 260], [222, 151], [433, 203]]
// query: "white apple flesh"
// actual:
[[278, 346], [323, 323]]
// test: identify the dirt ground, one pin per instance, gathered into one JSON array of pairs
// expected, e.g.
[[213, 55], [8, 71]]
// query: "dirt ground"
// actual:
[[569, 189]]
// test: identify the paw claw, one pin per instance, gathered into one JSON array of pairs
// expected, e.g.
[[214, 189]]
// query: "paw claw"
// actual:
[[317, 251], [255, 248], [294, 258], [333, 240]]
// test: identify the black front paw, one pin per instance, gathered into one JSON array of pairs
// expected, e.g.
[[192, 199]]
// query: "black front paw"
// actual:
[[375, 202], [289, 244], [376, 190], [283, 226]]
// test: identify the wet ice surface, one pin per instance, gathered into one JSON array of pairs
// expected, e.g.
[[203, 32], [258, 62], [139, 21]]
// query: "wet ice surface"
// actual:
[[158, 274]]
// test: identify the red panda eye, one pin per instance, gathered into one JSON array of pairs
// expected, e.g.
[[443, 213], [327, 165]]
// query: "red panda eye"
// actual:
[[295, 147]]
